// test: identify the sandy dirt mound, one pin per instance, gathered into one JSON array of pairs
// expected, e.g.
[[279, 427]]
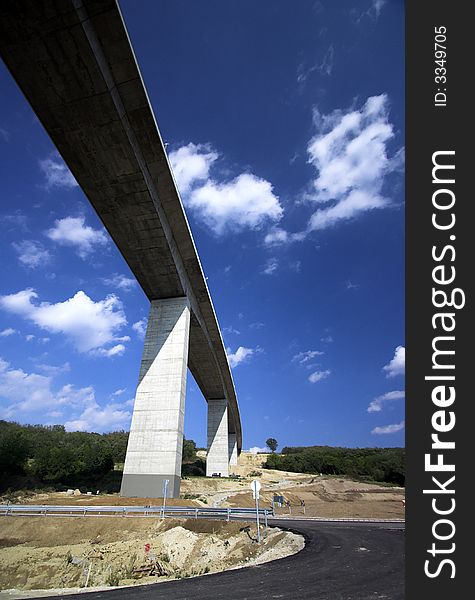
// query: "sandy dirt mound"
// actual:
[[40, 553]]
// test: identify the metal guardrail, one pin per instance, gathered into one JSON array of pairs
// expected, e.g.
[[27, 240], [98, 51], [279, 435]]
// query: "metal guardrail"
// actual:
[[51, 510]]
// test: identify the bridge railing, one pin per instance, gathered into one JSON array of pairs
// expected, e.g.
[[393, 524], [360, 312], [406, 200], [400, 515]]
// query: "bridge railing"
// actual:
[[196, 512]]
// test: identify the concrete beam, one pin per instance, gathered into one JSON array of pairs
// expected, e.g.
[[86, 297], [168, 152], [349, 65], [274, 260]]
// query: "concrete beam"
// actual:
[[74, 62], [155, 443], [217, 460], [233, 451]]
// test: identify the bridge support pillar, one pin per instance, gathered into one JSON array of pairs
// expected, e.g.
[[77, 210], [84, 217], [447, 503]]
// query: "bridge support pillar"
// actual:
[[217, 460], [232, 444], [156, 434]]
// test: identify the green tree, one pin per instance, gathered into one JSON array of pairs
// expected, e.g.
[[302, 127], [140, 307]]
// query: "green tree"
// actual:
[[272, 444], [189, 451], [14, 450]]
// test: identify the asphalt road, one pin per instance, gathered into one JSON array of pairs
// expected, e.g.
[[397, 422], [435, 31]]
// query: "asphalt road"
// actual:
[[340, 561]]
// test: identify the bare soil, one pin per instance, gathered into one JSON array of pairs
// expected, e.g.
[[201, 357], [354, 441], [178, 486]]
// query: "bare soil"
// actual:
[[53, 553], [69, 554]]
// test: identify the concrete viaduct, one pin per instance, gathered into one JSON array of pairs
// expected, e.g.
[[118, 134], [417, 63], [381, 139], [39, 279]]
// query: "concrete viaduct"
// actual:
[[74, 62]]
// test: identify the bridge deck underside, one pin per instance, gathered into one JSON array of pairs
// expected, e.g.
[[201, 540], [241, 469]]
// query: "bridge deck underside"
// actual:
[[81, 78]]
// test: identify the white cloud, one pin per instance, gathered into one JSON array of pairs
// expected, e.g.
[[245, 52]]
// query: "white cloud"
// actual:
[[119, 392], [140, 328], [318, 376], [116, 350], [350, 155], [7, 332], [303, 357], [397, 365], [242, 354], [257, 449], [95, 418], [257, 325], [296, 266], [89, 325], [230, 329], [16, 220], [121, 282], [377, 404], [276, 236], [271, 266], [376, 8], [246, 201], [54, 369], [32, 254], [326, 66], [32, 393], [29, 337], [191, 164], [57, 173], [327, 340], [72, 231], [394, 428]]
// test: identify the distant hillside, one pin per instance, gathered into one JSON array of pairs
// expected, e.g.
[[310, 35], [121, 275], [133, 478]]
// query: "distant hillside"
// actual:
[[373, 464]]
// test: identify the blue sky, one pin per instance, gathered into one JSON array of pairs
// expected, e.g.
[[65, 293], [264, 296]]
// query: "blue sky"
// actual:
[[284, 124]]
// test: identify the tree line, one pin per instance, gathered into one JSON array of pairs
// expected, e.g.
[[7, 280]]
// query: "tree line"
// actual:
[[373, 464], [50, 456]]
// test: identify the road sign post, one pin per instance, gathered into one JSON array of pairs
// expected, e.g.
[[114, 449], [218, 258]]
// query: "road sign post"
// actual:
[[165, 488], [255, 487]]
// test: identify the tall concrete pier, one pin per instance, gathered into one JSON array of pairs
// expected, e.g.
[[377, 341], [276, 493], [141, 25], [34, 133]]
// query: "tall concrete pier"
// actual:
[[73, 61], [156, 433], [217, 460]]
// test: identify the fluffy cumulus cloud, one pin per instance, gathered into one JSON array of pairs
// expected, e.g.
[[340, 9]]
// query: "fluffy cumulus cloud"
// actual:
[[87, 324], [397, 365], [245, 202], [387, 429], [192, 164], [32, 392], [73, 231], [31, 254], [241, 355], [377, 404], [318, 376], [56, 173], [96, 418], [31, 395], [349, 152]]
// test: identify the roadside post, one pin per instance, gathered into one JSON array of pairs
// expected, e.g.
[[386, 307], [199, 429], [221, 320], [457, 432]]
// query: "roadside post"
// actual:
[[165, 489], [255, 487]]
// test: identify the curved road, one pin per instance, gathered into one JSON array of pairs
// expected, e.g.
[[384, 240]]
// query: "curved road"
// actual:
[[340, 561]]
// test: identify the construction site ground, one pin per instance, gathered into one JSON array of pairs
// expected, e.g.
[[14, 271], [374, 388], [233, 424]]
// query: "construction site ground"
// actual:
[[54, 553]]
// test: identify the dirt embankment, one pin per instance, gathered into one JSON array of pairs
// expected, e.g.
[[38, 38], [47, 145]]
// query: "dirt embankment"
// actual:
[[56, 553], [330, 498]]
